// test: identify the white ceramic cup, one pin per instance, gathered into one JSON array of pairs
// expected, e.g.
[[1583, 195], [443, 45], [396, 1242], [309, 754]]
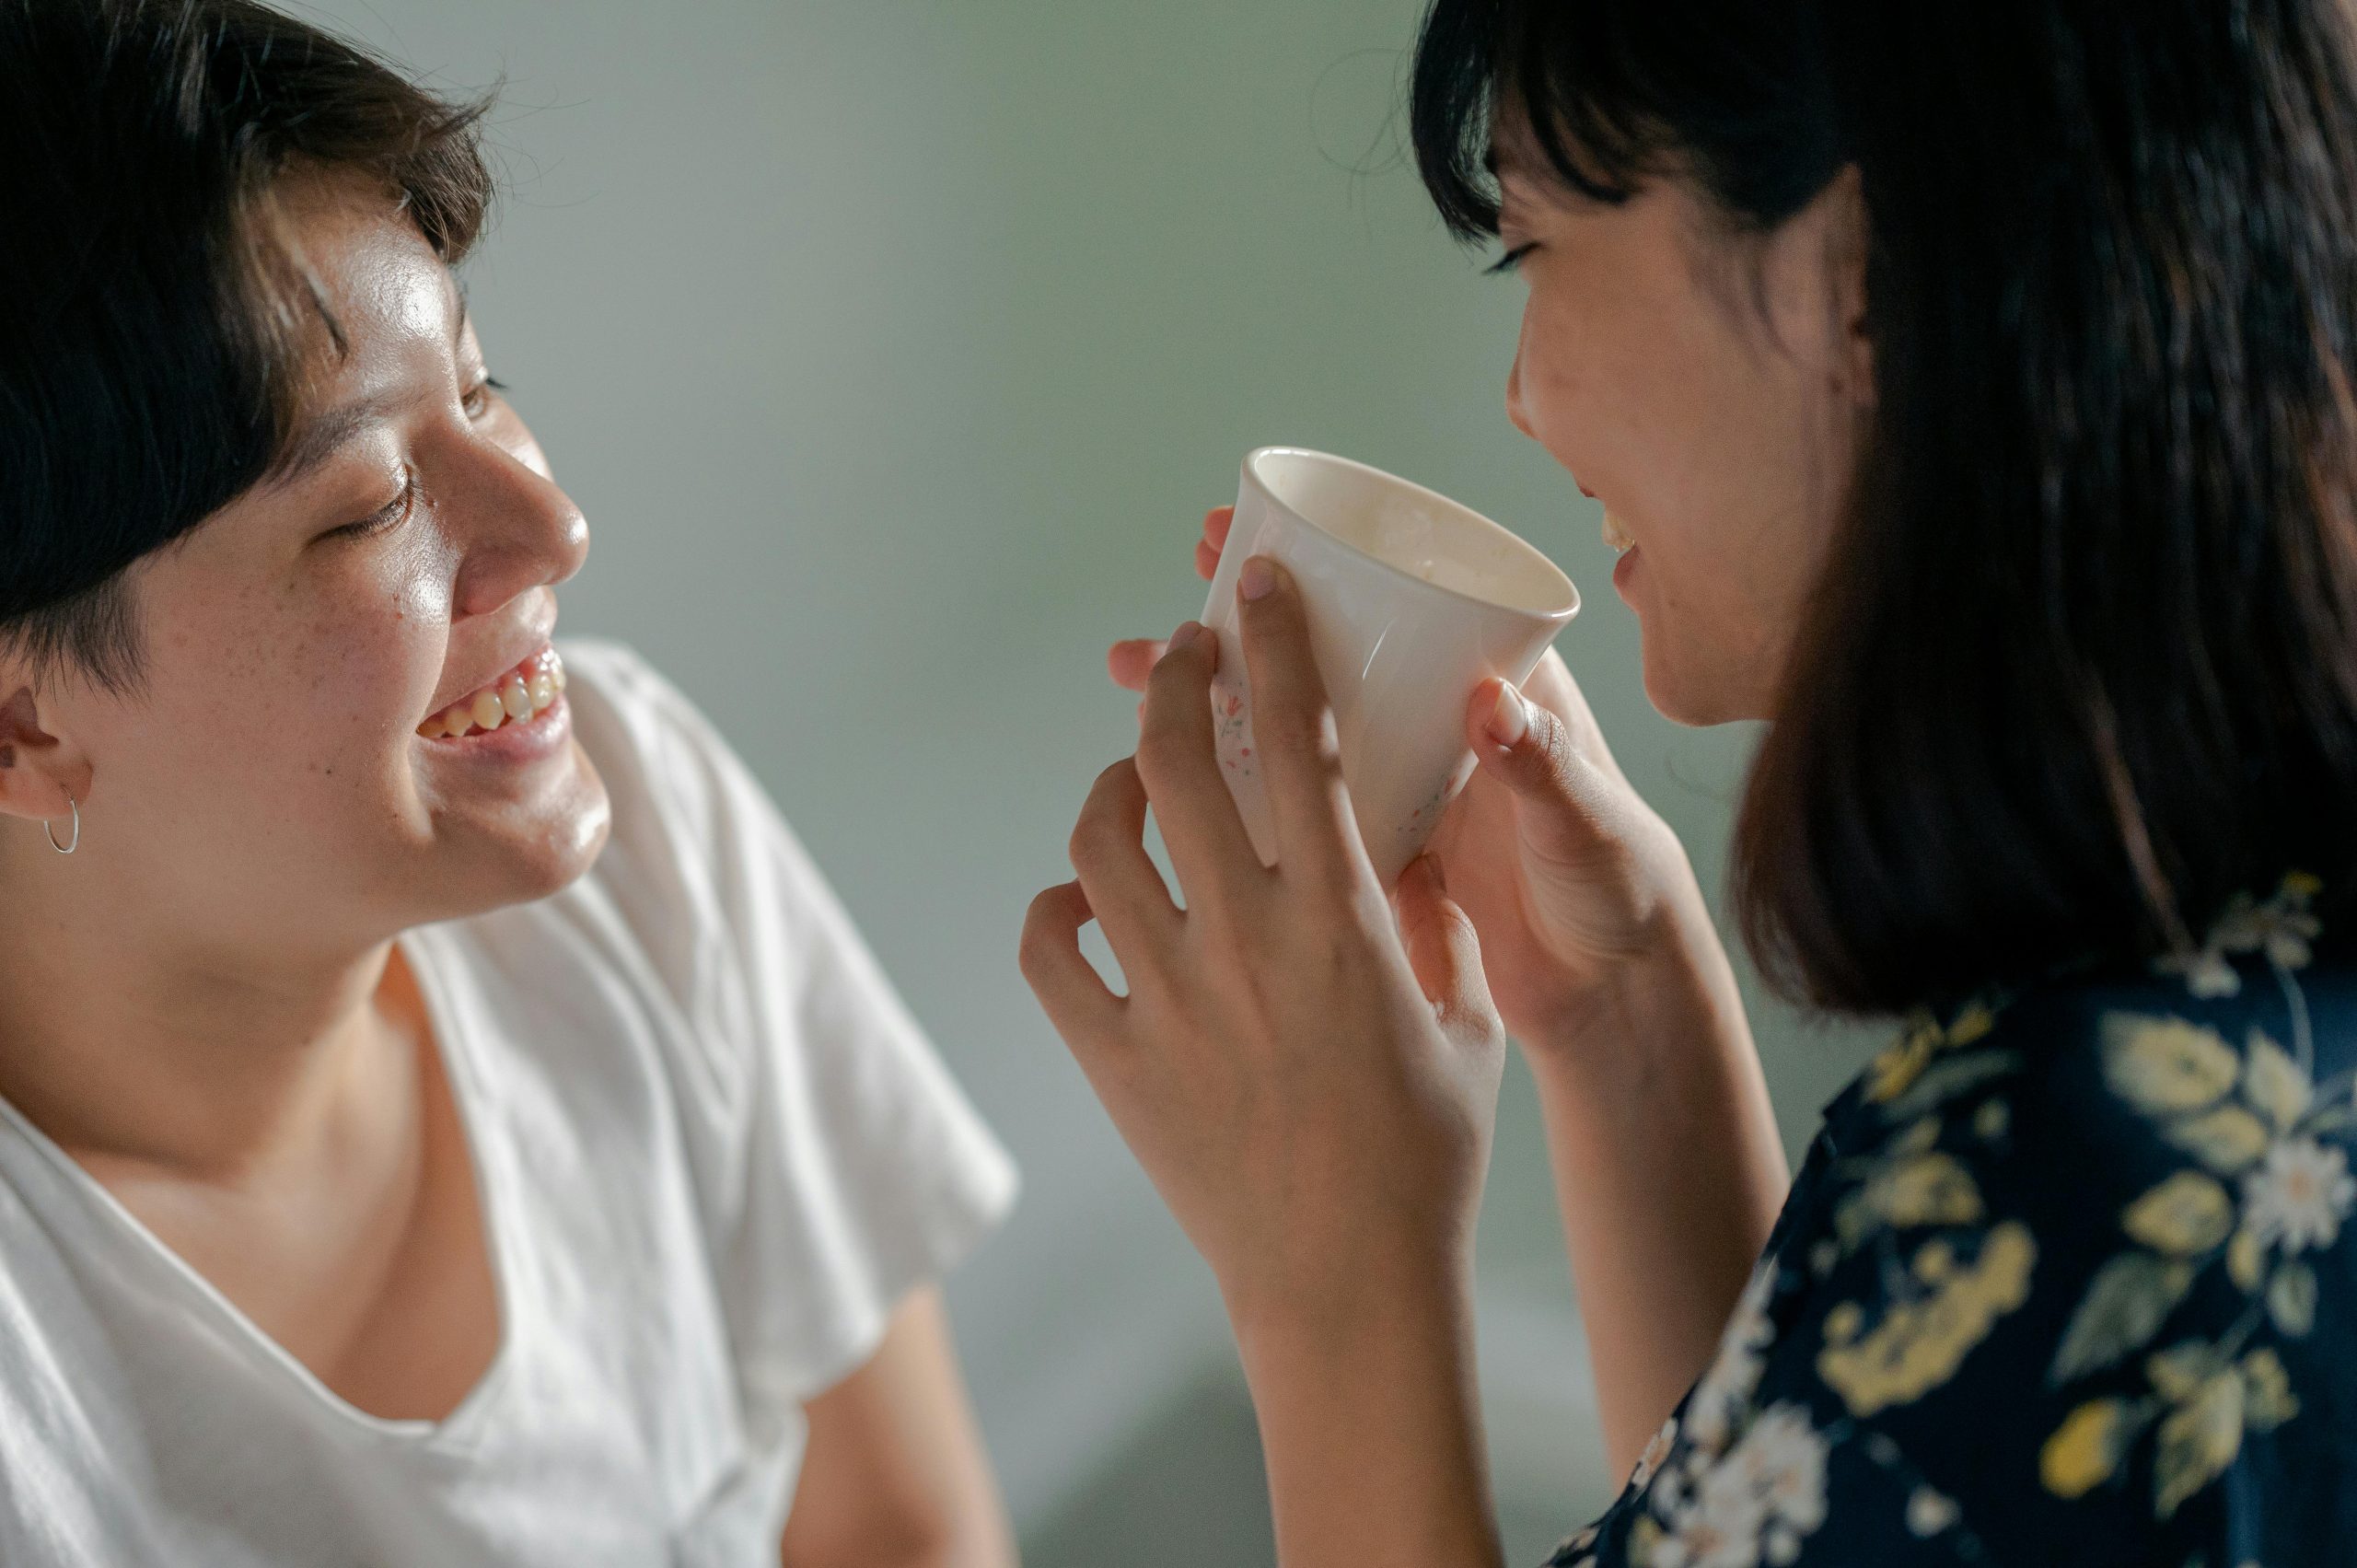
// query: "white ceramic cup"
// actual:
[[1412, 600]]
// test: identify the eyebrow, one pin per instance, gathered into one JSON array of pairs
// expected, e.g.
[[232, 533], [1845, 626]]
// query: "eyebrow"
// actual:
[[323, 437]]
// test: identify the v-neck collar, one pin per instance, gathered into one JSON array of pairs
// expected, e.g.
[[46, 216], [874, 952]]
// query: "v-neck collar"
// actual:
[[484, 1159]]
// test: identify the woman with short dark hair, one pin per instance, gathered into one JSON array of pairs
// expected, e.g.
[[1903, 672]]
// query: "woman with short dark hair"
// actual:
[[1970, 391], [445, 1117]]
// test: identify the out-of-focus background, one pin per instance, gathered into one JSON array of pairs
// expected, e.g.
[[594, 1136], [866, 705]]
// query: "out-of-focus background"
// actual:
[[894, 349]]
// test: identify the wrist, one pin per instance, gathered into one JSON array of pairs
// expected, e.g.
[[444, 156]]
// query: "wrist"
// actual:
[[1662, 1060], [1389, 1305], [1675, 986], [1371, 1427]]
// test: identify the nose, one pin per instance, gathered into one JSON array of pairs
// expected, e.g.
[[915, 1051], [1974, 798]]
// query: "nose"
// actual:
[[1517, 410], [520, 530]]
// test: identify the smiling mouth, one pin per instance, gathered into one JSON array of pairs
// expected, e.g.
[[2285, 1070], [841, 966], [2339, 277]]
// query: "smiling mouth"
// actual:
[[517, 697]]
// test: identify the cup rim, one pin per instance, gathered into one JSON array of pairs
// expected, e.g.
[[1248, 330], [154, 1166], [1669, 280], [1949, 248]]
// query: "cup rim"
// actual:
[[1570, 590]]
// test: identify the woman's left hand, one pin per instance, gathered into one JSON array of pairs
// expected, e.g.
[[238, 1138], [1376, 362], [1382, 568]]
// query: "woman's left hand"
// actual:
[[1307, 1070]]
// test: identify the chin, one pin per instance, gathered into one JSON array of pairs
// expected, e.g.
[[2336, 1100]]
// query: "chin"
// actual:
[[520, 855], [1697, 697], [555, 862], [568, 843]]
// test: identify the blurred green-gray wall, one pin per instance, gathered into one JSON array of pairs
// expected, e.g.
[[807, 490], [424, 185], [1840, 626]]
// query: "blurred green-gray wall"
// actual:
[[894, 349]]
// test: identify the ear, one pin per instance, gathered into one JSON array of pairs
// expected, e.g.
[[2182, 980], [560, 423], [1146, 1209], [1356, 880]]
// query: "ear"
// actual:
[[1848, 238], [39, 770], [1813, 282]]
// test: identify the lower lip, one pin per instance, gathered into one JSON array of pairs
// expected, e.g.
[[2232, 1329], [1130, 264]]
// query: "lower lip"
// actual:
[[541, 735], [1623, 569]]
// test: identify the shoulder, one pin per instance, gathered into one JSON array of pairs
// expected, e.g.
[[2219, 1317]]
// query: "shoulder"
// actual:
[[702, 875], [2141, 1104], [2066, 1266], [701, 917]]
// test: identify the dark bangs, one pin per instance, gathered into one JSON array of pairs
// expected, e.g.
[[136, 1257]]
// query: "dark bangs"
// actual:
[[1611, 96], [153, 357]]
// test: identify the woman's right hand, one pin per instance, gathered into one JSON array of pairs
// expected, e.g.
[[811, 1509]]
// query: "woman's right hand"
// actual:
[[1601, 960], [1574, 884]]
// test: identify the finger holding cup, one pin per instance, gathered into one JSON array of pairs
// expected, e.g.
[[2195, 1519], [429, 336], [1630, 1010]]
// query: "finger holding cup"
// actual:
[[1410, 601]]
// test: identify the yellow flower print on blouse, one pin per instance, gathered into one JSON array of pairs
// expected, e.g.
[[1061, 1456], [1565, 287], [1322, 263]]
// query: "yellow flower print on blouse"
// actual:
[[2265, 1185], [2203, 1400], [1929, 1188], [2163, 1065], [1896, 1071], [1921, 1340], [1967, 1275], [2183, 1217], [2284, 928], [2057, 1279]]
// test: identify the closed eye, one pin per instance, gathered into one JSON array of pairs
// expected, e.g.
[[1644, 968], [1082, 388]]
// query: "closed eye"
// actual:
[[385, 517], [1508, 262]]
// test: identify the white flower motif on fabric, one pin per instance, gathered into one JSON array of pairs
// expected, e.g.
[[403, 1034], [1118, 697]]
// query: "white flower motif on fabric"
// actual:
[[1580, 1542], [1720, 1529], [2207, 973], [1668, 1493], [1656, 1450], [1718, 1400], [2300, 1195], [1929, 1513], [1755, 1505], [1783, 1460]]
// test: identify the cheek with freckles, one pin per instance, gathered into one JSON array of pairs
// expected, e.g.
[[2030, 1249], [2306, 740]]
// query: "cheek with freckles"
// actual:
[[305, 692], [422, 579], [416, 580], [376, 646]]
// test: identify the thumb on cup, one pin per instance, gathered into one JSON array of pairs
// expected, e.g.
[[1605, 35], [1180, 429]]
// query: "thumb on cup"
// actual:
[[1563, 800]]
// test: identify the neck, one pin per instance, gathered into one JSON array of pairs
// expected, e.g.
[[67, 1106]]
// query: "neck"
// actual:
[[124, 1039]]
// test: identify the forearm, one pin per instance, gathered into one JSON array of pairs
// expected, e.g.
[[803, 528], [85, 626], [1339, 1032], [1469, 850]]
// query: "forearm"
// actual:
[[1669, 1172], [932, 1549], [1371, 1427], [896, 1475]]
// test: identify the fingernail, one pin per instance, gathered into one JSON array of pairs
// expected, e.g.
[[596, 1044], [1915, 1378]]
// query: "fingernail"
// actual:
[[1185, 634], [1510, 720], [1256, 578]]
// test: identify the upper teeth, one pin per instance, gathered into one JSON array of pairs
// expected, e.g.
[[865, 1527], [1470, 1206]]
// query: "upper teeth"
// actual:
[[1615, 535], [526, 689]]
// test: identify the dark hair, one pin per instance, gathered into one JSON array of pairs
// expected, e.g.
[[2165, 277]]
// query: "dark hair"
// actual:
[[2081, 667], [158, 316]]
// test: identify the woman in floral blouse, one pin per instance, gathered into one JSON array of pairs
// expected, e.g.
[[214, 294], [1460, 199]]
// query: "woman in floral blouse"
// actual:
[[1971, 391]]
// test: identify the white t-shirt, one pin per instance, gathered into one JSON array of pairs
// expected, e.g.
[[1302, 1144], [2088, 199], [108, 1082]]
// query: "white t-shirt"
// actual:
[[713, 1151]]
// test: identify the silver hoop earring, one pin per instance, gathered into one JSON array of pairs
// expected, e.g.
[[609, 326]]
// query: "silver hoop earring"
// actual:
[[50, 829]]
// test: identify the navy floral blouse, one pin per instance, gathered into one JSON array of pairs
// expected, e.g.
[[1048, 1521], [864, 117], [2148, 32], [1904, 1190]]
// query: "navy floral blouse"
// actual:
[[2066, 1278]]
